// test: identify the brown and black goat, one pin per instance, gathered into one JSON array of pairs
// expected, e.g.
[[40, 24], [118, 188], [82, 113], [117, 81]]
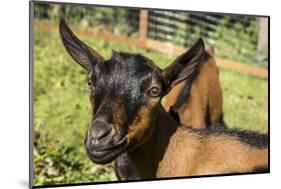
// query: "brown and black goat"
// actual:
[[197, 102], [125, 93]]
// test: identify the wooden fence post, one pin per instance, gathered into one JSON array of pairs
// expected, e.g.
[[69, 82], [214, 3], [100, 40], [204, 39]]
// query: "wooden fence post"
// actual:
[[143, 26], [263, 36]]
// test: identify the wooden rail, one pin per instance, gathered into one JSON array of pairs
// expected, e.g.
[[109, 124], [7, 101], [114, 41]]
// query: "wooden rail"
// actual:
[[144, 42]]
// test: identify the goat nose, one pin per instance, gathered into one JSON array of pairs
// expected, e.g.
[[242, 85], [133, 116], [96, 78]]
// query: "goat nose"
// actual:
[[100, 129]]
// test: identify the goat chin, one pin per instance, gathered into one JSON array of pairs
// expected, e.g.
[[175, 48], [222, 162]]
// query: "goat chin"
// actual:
[[106, 156]]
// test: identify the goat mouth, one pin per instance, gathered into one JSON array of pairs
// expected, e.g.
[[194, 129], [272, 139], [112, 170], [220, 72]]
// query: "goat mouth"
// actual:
[[108, 154]]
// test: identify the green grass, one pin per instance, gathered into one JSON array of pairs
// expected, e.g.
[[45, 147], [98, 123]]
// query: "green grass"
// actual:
[[62, 109], [245, 101]]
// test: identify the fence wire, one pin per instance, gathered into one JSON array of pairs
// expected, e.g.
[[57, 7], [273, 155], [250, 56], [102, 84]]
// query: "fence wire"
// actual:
[[233, 37]]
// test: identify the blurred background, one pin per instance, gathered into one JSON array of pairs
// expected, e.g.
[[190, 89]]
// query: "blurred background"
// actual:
[[61, 104]]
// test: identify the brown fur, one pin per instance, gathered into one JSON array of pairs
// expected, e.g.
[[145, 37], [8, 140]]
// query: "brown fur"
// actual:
[[179, 151], [141, 128], [119, 115], [205, 97]]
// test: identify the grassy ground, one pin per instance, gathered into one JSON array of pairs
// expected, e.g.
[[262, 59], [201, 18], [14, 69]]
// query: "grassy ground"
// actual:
[[62, 109]]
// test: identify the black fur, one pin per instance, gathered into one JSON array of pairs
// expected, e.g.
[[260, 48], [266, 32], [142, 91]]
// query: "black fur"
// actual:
[[174, 114], [253, 139], [128, 75], [123, 168]]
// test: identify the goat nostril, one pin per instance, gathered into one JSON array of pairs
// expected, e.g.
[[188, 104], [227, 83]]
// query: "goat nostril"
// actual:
[[102, 133], [100, 130]]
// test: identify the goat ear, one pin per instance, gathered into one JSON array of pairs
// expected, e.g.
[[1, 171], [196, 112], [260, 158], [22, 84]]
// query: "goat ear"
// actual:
[[80, 52], [211, 51], [186, 66]]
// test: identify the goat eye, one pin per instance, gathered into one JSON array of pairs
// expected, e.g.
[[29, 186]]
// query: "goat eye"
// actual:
[[154, 92]]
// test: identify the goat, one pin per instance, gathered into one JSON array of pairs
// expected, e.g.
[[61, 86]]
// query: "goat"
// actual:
[[125, 93], [198, 102]]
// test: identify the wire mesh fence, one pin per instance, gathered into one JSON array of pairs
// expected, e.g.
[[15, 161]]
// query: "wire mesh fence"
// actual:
[[108, 20], [234, 37]]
